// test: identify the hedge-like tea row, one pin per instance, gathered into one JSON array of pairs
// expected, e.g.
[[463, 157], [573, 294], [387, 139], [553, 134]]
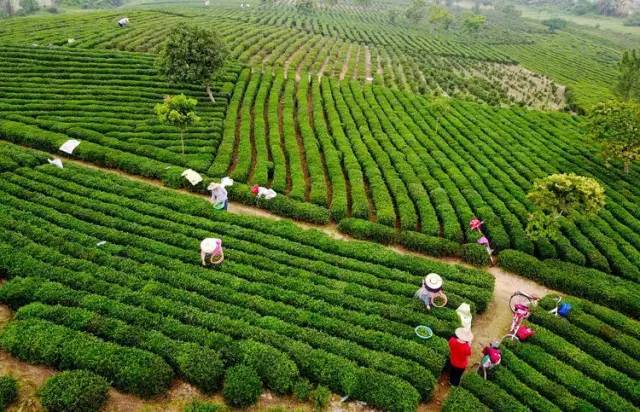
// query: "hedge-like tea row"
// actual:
[[584, 362], [596, 286], [299, 292], [87, 84], [196, 364], [42, 342]]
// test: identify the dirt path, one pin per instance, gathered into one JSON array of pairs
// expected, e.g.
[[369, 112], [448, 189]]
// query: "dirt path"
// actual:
[[490, 325], [287, 62], [345, 65], [496, 320], [367, 64]]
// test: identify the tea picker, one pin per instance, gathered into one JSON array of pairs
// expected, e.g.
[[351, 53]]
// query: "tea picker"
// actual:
[[430, 292], [262, 192], [211, 252], [123, 22], [476, 225], [219, 196]]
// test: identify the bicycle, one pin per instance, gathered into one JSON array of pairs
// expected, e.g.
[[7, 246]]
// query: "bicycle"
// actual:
[[520, 304], [528, 300]]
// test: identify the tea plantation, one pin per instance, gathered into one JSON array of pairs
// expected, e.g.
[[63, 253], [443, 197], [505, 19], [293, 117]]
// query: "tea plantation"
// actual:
[[369, 122]]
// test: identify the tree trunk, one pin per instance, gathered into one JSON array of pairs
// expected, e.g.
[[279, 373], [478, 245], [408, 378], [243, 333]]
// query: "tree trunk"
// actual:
[[209, 93], [182, 139]]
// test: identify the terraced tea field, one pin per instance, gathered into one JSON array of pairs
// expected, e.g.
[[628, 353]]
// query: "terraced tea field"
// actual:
[[277, 38], [366, 128], [335, 309], [587, 363]]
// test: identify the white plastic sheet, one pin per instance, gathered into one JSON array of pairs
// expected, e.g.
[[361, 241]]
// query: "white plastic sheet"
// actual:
[[56, 162], [69, 146], [226, 181], [192, 176], [266, 193], [464, 313]]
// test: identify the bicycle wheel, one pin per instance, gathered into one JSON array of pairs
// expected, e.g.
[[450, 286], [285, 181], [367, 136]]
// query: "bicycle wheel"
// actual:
[[519, 299], [512, 338]]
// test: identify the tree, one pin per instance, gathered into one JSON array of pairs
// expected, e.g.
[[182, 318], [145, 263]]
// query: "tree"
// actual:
[[305, 6], [616, 126], [192, 54], [562, 196], [417, 11], [555, 24], [440, 106], [440, 16], [393, 15], [473, 22], [29, 6], [177, 111], [363, 3], [628, 86]]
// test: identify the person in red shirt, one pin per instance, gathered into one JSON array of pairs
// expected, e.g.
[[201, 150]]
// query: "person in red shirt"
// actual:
[[459, 354]]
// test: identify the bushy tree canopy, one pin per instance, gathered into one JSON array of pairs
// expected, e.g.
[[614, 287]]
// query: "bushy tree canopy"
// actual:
[[616, 126], [628, 86], [192, 54], [473, 22], [178, 111], [562, 195], [417, 11], [440, 17], [555, 24]]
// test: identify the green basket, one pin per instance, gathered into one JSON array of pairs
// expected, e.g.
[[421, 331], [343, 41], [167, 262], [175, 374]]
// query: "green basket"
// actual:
[[423, 332]]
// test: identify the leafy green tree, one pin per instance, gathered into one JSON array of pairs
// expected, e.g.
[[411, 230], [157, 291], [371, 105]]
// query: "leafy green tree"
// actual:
[[562, 196], [628, 86], [510, 10], [633, 20], [178, 111], [440, 16], [192, 54], [305, 6], [29, 6], [473, 22], [555, 24], [363, 3], [440, 106], [616, 126], [393, 15], [417, 11]]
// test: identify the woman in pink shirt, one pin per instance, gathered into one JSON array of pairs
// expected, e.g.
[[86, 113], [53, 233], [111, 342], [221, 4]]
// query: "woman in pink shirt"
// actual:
[[459, 354]]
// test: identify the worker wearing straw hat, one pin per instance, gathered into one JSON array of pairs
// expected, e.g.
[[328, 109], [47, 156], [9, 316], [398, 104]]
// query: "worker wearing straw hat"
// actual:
[[211, 251], [431, 286], [459, 354]]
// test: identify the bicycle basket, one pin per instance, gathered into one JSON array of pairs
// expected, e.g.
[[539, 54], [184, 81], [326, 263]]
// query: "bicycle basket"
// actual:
[[423, 332], [564, 309]]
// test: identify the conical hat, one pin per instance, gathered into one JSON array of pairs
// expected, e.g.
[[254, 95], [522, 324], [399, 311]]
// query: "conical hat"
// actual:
[[464, 334], [433, 281], [210, 245]]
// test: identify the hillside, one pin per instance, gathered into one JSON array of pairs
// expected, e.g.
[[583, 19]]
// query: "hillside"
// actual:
[[368, 125]]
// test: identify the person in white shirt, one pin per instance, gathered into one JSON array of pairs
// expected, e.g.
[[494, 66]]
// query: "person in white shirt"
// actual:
[[123, 22], [219, 197], [211, 252]]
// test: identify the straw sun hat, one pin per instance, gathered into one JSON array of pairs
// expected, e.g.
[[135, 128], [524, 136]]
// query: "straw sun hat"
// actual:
[[433, 281], [464, 334], [210, 245]]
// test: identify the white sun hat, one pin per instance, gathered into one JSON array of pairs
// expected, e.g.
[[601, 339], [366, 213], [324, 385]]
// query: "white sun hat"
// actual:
[[210, 245], [464, 334], [433, 281]]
